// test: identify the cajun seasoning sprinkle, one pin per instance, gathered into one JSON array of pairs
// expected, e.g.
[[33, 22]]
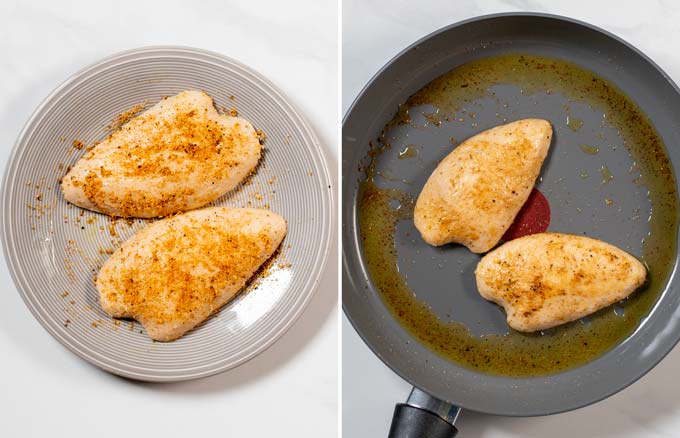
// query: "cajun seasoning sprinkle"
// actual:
[[126, 116]]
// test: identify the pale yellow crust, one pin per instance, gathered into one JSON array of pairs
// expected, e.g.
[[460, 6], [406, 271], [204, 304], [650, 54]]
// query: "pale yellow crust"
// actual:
[[547, 279], [476, 191], [178, 155], [176, 272]]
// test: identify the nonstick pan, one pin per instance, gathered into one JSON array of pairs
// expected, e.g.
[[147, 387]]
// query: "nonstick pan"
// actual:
[[597, 183]]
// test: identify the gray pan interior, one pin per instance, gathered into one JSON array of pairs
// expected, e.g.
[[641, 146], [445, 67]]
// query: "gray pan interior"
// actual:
[[452, 267]]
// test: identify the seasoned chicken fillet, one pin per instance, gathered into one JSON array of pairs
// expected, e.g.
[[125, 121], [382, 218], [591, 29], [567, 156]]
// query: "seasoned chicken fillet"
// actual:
[[546, 279], [176, 272], [474, 194], [178, 155]]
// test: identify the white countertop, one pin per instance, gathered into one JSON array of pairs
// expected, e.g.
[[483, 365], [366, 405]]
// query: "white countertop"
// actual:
[[376, 30], [290, 389]]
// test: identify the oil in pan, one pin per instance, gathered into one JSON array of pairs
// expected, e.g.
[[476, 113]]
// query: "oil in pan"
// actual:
[[607, 176]]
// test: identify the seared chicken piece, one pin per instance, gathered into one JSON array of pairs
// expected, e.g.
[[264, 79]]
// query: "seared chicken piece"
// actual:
[[474, 194], [176, 272], [546, 279], [178, 155]]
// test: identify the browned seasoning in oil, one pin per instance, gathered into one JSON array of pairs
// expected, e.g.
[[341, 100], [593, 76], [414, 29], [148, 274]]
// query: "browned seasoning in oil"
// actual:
[[409, 151], [590, 150], [574, 124], [518, 354]]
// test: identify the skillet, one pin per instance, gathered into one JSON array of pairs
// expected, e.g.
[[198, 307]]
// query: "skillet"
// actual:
[[598, 194]]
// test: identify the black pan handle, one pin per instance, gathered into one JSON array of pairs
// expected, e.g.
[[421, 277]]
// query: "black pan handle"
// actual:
[[423, 416], [411, 422]]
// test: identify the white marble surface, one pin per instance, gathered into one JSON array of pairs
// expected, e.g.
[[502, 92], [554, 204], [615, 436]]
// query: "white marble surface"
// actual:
[[289, 390], [376, 30]]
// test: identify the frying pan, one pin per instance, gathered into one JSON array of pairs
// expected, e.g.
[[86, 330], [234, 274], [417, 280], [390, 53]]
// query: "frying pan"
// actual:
[[443, 278]]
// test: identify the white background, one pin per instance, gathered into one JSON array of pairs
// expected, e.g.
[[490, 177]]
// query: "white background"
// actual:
[[376, 30], [289, 390]]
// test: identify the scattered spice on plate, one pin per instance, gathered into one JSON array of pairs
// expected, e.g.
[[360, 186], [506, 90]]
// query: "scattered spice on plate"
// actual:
[[107, 251], [112, 229], [261, 135], [126, 116]]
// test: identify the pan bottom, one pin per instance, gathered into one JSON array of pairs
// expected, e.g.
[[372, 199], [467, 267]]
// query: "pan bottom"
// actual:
[[608, 176]]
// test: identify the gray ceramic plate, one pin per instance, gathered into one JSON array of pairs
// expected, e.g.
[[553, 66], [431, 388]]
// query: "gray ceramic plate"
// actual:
[[53, 249]]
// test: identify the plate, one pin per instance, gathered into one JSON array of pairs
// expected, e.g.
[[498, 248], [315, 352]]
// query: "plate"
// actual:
[[53, 249]]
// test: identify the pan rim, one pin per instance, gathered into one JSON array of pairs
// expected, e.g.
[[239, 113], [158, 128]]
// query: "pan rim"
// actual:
[[311, 286], [347, 275]]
